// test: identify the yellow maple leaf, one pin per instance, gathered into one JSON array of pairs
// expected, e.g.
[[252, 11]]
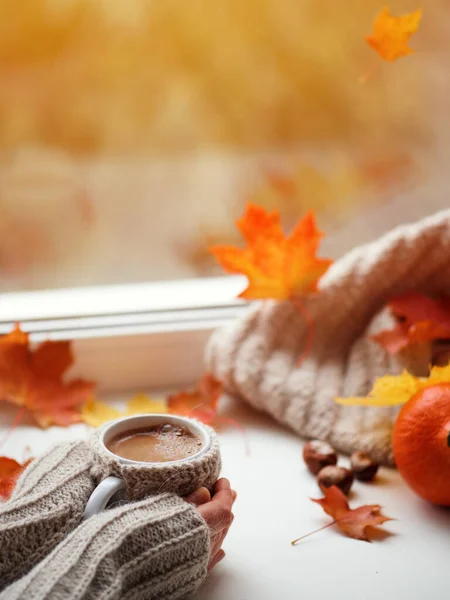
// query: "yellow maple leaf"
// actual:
[[142, 404], [95, 413], [392, 390], [391, 34]]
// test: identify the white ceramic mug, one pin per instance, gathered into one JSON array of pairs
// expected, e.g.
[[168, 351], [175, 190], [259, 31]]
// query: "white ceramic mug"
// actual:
[[112, 485]]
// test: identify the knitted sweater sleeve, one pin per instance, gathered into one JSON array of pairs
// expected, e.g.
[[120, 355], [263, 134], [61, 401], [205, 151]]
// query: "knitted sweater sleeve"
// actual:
[[155, 549], [47, 503]]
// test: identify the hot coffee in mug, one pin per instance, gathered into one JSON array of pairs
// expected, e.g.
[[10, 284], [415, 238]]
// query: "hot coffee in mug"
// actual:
[[152, 453], [164, 442]]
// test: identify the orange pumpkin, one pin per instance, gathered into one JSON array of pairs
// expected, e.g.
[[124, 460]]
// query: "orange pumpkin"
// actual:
[[422, 443]]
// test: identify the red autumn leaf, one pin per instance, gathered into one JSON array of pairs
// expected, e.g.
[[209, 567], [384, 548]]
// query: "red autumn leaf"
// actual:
[[199, 404], [202, 403], [353, 522], [10, 470], [13, 363], [415, 307], [275, 265], [34, 379], [421, 319]]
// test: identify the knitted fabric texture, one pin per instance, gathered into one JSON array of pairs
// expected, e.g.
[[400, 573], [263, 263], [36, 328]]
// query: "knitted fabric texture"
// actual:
[[156, 549], [48, 502], [144, 479], [257, 356]]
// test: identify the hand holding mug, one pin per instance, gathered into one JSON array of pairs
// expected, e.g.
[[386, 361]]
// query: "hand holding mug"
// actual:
[[140, 456], [217, 512]]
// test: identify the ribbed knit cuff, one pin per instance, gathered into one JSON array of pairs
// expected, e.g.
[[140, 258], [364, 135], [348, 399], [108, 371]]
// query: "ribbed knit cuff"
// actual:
[[48, 502], [144, 479], [156, 549]]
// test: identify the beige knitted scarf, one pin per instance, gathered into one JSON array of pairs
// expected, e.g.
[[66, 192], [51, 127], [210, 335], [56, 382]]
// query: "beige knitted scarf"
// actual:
[[257, 356]]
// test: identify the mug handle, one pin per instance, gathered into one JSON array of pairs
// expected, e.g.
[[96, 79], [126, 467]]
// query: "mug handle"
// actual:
[[102, 495]]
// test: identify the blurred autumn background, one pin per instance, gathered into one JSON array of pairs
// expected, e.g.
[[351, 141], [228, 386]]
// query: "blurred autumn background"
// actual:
[[133, 133]]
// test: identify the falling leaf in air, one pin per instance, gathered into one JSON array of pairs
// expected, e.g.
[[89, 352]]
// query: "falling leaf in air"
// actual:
[[200, 403], [10, 470], [391, 390], [352, 522], [95, 413], [391, 34], [276, 266], [420, 319], [33, 379]]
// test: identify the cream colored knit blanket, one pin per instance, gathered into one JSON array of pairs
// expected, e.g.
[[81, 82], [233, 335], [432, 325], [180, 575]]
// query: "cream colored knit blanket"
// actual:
[[257, 356]]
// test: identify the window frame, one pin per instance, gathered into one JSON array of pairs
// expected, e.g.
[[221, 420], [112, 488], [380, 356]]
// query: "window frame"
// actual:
[[131, 336]]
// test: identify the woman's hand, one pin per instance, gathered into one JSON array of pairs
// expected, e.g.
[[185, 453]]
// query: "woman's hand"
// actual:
[[216, 511]]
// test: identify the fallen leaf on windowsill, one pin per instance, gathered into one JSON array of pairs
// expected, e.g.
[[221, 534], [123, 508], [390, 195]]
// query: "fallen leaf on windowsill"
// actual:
[[200, 403], [33, 379], [95, 413]]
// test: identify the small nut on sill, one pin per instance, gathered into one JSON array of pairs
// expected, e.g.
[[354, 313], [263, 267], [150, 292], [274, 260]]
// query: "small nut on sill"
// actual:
[[363, 467], [317, 455], [332, 475]]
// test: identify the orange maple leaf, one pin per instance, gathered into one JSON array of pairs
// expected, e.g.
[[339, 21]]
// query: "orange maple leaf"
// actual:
[[276, 266], [391, 34], [353, 522], [10, 470], [33, 379], [421, 319], [199, 404]]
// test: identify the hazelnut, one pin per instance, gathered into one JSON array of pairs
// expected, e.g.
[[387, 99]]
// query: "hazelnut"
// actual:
[[318, 454], [332, 475], [363, 467]]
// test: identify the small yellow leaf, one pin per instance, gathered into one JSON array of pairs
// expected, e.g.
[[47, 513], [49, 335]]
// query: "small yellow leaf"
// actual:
[[391, 34], [389, 390], [439, 375], [141, 403], [96, 413]]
